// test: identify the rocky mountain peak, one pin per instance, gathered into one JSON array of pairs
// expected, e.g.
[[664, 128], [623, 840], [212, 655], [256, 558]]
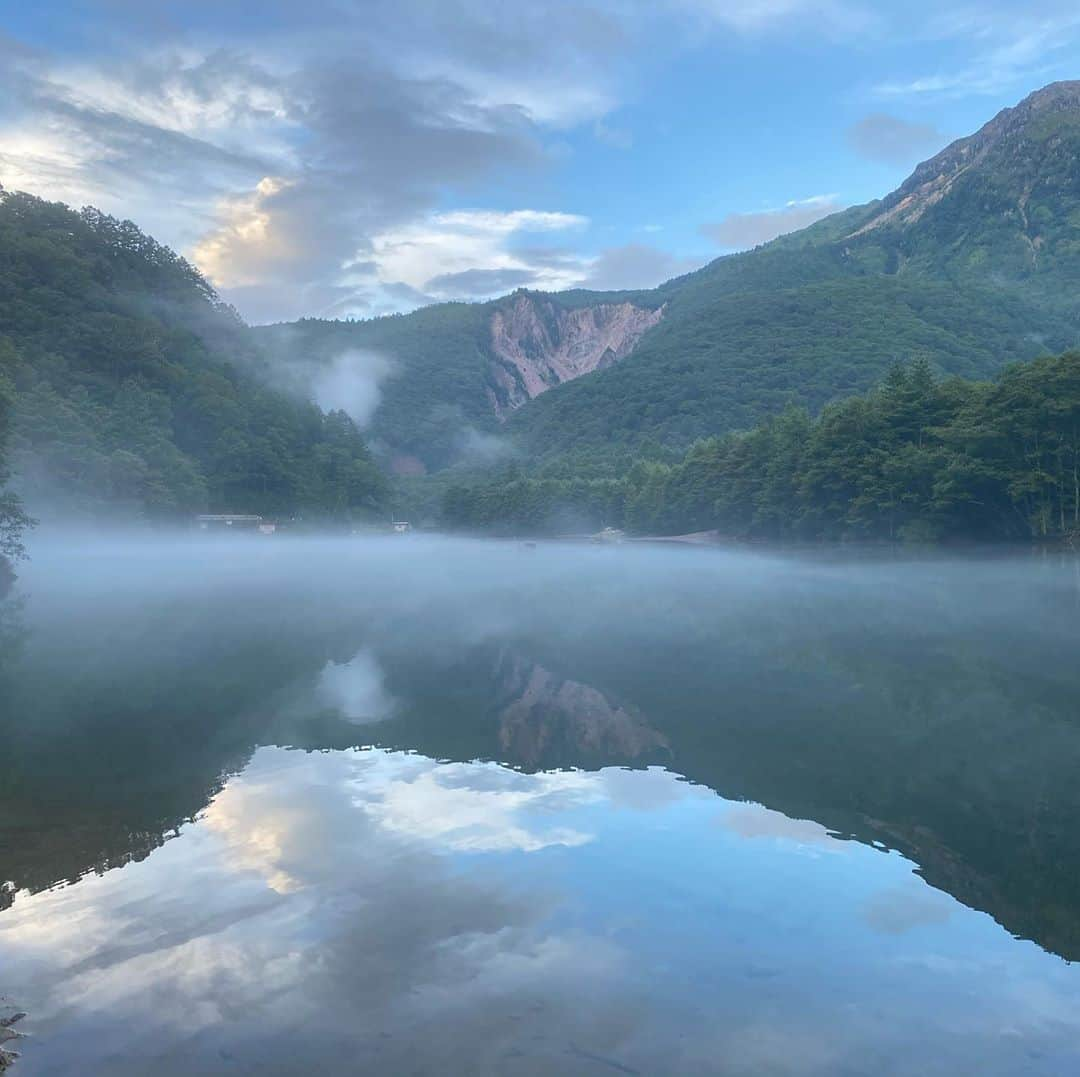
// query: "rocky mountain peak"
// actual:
[[1007, 143], [537, 343]]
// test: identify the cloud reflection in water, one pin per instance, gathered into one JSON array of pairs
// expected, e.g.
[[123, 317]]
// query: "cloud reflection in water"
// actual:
[[385, 911]]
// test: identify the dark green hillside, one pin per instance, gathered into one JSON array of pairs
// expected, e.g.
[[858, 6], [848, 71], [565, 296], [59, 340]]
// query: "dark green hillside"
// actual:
[[974, 261], [440, 385], [129, 389], [13, 520], [917, 459], [438, 381], [722, 362]]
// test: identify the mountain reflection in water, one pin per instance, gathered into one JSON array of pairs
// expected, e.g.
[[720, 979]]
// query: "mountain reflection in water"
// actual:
[[578, 811]]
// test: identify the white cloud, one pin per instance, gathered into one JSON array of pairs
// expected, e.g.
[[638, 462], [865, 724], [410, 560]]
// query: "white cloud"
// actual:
[[903, 908], [757, 821], [483, 809], [1014, 44], [831, 17], [303, 162], [436, 255], [636, 265], [355, 688], [738, 231], [881, 137]]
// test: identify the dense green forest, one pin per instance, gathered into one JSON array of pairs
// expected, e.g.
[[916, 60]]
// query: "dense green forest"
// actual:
[[735, 358], [13, 521], [136, 392], [436, 386], [917, 459], [441, 377], [133, 390], [973, 262]]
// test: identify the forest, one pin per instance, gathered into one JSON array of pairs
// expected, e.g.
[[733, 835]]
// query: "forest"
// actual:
[[133, 392], [13, 520], [918, 459]]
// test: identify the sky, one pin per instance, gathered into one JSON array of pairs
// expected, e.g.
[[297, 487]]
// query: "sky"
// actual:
[[351, 158]]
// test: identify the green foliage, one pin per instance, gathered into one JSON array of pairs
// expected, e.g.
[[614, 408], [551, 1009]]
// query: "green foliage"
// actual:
[[719, 361], [917, 459], [13, 521], [442, 379], [439, 378], [136, 390], [972, 263]]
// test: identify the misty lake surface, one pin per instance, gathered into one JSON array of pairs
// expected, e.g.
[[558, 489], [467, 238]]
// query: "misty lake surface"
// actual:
[[281, 806]]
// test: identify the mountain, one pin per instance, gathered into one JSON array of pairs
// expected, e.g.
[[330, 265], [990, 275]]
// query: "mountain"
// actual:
[[972, 263], [134, 390], [455, 371]]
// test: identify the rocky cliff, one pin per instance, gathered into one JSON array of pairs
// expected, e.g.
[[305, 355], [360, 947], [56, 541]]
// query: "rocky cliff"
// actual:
[[538, 344], [1019, 150], [546, 720]]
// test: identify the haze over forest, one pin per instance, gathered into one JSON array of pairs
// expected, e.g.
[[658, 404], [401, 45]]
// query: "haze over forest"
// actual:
[[539, 538], [851, 374]]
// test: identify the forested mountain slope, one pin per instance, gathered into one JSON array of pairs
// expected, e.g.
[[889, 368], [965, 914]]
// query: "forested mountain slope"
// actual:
[[972, 263], [134, 390], [455, 370], [917, 459]]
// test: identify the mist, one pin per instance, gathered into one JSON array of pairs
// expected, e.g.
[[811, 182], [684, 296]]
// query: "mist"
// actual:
[[418, 778], [127, 600], [477, 448], [351, 382]]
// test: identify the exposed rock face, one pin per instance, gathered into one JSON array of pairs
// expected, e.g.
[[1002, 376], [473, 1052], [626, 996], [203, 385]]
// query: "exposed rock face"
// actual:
[[538, 344], [547, 720], [1008, 134]]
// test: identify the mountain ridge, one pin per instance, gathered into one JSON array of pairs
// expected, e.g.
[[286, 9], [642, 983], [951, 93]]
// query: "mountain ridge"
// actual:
[[136, 393], [971, 263]]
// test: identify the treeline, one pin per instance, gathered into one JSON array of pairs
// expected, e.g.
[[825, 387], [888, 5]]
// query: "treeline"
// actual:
[[13, 521], [136, 392], [917, 459]]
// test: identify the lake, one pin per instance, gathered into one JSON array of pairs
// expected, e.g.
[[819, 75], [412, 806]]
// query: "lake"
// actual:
[[279, 806]]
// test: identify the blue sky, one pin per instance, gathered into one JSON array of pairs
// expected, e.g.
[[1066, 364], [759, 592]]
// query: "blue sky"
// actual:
[[355, 157]]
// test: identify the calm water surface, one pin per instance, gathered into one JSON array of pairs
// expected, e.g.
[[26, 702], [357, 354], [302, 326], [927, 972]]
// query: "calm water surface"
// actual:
[[415, 806]]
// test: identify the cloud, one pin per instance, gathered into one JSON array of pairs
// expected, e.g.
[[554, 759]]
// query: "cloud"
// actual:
[[835, 18], [738, 231], [471, 253], [881, 137], [356, 689], [470, 809], [636, 265], [352, 383], [277, 163], [78, 136], [481, 282], [300, 158], [756, 821], [477, 447], [384, 145], [1014, 44], [902, 909]]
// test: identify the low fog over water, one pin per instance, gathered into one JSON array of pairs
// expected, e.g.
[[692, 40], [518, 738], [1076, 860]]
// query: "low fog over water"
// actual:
[[421, 803]]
